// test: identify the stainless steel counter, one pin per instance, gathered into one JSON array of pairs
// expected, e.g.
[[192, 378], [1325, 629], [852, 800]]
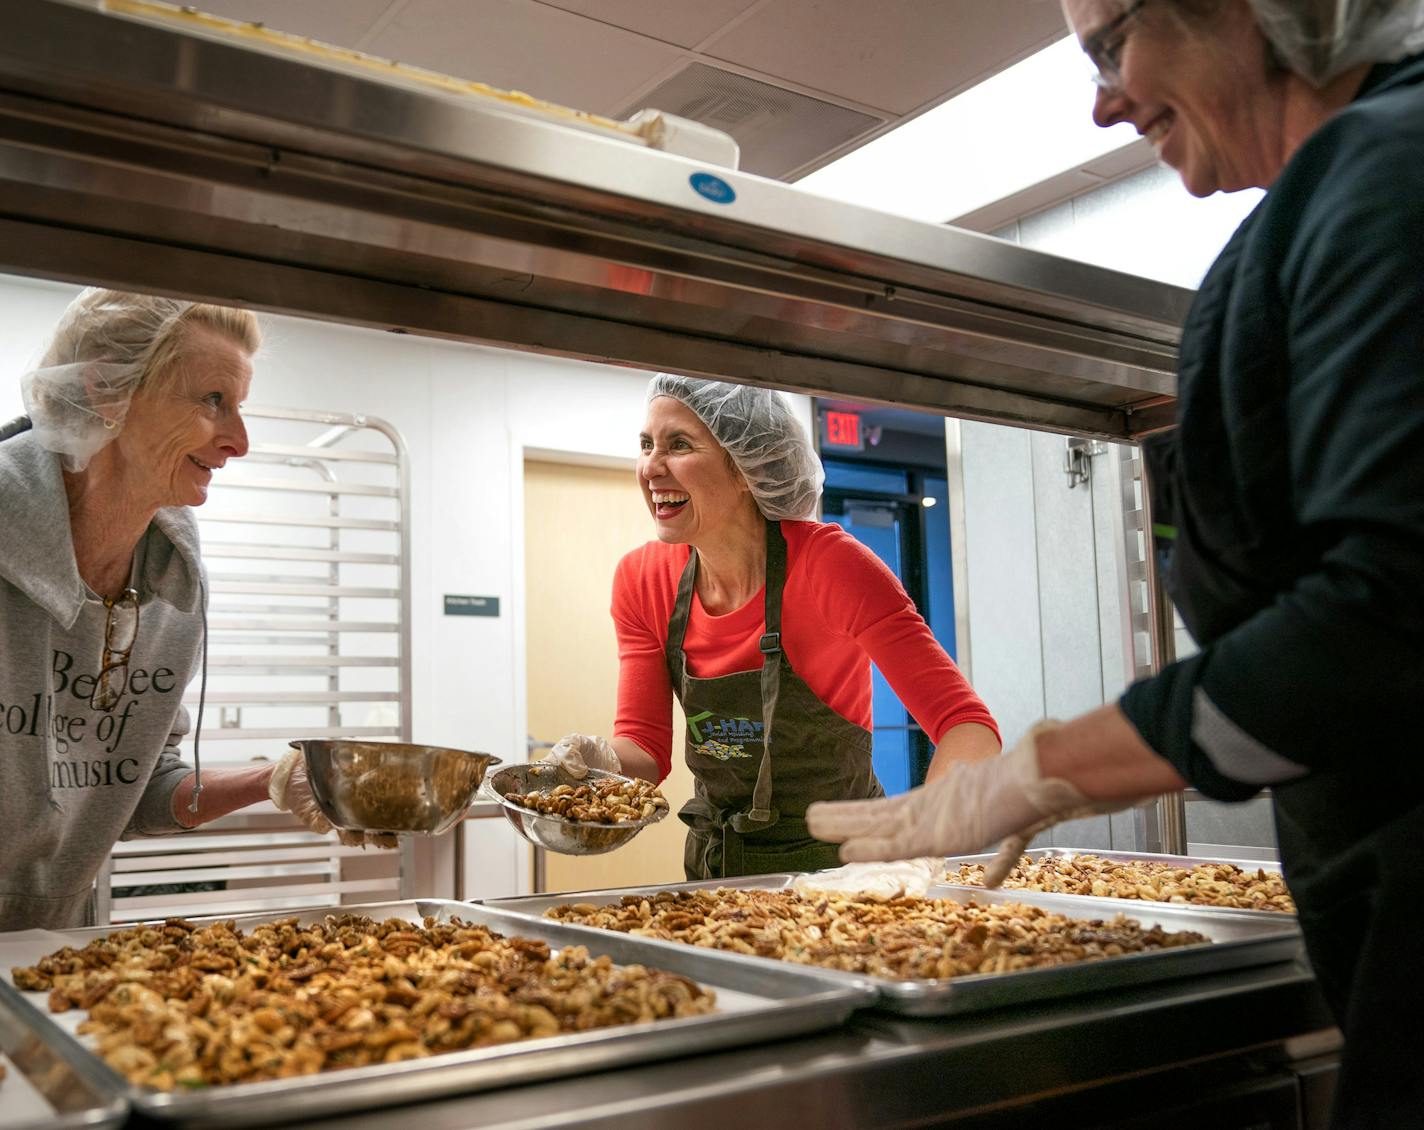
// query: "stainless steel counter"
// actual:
[[1214, 1051]]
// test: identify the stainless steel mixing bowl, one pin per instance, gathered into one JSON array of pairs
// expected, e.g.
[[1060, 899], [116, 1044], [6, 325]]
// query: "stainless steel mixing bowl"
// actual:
[[567, 837], [392, 786]]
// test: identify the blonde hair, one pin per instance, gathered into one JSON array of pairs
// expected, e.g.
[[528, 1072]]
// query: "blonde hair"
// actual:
[[108, 345], [144, 333]]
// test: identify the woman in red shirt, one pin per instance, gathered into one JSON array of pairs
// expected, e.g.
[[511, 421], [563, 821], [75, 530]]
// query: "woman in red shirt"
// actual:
[[764, 623]]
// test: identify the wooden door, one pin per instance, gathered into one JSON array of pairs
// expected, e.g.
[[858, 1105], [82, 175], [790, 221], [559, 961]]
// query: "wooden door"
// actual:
[[578, 522]]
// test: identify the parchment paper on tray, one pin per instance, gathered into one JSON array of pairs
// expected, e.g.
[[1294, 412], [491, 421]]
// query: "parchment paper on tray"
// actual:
[[913, 877]]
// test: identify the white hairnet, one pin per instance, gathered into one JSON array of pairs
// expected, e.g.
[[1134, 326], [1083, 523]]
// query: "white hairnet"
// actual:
[[76, 409], [1320, 39], [106, 343], [763, 437]]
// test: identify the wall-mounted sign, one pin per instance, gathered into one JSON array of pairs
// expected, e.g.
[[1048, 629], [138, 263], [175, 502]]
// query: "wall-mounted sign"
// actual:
[[842, 430], [456, 605]]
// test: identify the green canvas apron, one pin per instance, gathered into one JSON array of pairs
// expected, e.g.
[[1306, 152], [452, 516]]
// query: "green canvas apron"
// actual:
[[762, 747]]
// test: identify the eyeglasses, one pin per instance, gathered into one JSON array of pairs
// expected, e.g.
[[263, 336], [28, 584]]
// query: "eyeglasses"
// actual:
[[1104, 48], [119, 635]]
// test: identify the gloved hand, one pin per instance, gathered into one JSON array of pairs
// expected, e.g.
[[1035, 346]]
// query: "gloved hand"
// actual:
[[290, 791], [576, 754], [972, 806]]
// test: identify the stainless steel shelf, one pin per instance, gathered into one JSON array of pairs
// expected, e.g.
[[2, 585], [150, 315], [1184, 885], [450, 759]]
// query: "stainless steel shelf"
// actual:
[[295, 553], [230, 624], [291, 733], [142, 156], [282, 452], [240, 482], [300, 661], [263, 588], [316, 521], [283, 698]]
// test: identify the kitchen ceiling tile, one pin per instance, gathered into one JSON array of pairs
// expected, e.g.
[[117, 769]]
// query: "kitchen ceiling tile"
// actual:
[[897, 55], [338, 22], [524, 45], [683, 23]]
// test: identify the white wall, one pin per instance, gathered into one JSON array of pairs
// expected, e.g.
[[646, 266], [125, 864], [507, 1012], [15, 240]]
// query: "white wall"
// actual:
[[1146, 224], [467, 414], [1044, 612]]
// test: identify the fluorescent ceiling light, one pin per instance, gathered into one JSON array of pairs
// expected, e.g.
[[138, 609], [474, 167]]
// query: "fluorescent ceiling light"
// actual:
[[1022, 126]]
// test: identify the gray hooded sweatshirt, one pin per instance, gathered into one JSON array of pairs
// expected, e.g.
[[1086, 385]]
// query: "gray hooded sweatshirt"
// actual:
[[73, 780]]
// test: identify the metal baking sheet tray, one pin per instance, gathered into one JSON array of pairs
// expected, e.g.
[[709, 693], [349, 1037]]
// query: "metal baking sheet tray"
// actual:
[[1237, 942], [48, 1081], [755, 1002], [1141, 857]]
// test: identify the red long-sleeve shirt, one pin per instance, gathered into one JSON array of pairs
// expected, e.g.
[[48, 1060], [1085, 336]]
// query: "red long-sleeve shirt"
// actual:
[[841, 610]]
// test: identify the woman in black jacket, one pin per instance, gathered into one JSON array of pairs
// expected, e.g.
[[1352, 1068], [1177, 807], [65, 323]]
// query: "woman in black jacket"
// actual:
[[1288, 502]]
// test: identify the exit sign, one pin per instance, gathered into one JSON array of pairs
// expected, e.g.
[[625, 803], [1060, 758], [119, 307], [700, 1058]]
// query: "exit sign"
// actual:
[[842, 429]]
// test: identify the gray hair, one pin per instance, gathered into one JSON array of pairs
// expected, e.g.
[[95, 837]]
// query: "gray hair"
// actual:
[[1321, 39]]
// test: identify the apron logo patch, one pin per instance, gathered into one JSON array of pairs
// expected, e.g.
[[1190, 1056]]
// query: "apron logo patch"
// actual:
[[723, 738], [720, 750]]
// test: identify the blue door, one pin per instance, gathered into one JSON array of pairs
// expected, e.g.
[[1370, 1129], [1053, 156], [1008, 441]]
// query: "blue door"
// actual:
[[883, 509]]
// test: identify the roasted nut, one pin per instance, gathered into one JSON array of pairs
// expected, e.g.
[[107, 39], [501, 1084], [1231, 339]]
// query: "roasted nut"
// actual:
[[344, 992], [609, 800], [1204, 884], [900, 938]]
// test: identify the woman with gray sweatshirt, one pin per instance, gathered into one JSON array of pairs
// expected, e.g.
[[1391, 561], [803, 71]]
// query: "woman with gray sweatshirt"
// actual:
[[133, 407]]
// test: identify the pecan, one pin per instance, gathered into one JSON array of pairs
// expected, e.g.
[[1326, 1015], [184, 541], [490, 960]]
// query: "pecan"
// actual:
[[208, 1005], [901, 938]]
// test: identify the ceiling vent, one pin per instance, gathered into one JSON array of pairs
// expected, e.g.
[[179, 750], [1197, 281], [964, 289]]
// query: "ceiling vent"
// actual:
[[779, 131]]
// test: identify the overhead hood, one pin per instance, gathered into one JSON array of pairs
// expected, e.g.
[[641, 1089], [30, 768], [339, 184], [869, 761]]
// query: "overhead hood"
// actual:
[[155, 157]]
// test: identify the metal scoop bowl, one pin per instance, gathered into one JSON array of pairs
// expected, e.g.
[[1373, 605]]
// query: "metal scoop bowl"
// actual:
[[567, 837], [392, 786]]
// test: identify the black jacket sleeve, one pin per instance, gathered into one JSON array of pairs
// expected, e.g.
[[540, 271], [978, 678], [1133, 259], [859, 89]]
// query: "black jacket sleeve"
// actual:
[[1331, 671]]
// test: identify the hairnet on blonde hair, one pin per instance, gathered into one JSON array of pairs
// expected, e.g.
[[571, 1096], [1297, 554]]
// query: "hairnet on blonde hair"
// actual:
[[763, 437], [1321, 39], [107, 345]]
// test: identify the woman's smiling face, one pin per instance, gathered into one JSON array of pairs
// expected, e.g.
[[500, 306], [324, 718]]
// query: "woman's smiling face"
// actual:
[[690, 484], [1200, 89], [184, 424]]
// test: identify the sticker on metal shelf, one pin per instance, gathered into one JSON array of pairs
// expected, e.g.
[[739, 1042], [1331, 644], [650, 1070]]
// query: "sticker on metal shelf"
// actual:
[[456, 605], [713, 188]]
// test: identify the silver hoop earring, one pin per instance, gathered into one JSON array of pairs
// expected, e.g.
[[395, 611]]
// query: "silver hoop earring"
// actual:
[[110, 425]]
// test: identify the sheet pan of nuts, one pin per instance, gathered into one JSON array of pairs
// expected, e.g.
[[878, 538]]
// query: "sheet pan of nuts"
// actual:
[[1233, 886], [370, 1006], [45, 1081], [981, 950]]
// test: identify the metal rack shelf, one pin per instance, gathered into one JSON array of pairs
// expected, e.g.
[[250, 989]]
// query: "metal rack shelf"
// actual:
[[283, 667]]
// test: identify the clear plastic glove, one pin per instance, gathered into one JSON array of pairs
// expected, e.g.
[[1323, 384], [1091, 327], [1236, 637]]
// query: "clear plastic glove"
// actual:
[[974, 805], [290, 791], [576, 754]]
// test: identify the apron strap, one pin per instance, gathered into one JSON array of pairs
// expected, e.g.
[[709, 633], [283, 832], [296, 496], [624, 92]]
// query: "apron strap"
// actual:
[[761, 814], [677, 627]]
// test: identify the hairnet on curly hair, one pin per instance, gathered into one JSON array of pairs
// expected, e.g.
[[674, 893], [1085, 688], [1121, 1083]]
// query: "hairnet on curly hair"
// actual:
[[1321, 39], [761, 434], [106, 345]]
